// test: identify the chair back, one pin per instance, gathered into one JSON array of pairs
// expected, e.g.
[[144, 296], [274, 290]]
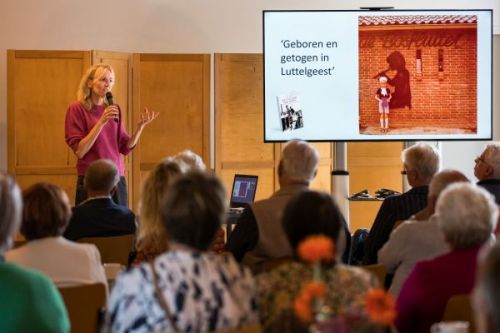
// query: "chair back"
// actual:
[[114, 249], [85, 305], [378, 270], [254, 328], [459, 308]]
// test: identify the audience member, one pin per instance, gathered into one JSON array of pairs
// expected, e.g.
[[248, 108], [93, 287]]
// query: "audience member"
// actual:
[[258, 235], [487, 170], [310, 213], [152, 238], [99, 215], [192, 161], [29, 302], [187, 289], [420, 162], [486, 296], [466, 215], [419, 238], [46, 214]]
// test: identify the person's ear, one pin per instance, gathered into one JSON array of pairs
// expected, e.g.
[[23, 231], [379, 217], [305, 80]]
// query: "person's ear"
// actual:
[[488, 171]]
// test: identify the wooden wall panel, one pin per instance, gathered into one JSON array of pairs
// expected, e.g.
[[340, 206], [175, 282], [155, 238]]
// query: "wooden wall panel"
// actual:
[[239, 136], [372, 165], [40, 86], [239, 128], [177, 86]]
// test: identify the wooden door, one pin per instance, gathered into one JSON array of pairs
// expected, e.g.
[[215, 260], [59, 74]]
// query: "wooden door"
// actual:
[[40, 85], [177, 86]]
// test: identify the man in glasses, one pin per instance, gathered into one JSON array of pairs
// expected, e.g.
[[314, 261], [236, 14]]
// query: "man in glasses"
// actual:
[[487, 170]]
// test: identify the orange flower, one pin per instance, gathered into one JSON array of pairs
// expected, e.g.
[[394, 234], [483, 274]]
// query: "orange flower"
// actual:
[[303, 310], [380, 306], [314, 289], [308, 293], [316, 248]]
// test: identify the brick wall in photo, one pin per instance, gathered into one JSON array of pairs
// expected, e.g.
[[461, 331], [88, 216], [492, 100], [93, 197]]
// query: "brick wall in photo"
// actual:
[[449, 102]]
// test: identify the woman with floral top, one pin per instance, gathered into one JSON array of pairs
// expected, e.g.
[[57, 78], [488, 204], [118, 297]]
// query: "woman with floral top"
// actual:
[[187, 288], [312, 213]]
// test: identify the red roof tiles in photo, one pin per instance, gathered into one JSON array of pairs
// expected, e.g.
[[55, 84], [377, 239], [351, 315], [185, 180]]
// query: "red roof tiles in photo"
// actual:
[[416, 19]]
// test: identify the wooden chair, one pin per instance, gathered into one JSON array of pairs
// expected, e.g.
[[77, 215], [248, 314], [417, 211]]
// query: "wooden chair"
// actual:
[[113, 249], [85, 305], [459, 308], [255, 328], [378, 270]]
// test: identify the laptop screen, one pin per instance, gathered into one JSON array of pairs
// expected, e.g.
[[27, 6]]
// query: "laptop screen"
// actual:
[[244, 188]]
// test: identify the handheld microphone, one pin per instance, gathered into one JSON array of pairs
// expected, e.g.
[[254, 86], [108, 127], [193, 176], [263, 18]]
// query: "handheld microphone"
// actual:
[[109, 97]]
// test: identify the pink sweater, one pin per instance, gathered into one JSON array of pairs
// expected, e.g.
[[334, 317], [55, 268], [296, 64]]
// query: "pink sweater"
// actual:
[[110, 143], [432, 282]]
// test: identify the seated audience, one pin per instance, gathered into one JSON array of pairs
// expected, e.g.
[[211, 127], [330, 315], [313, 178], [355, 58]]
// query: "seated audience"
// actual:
[[188, 288], [418, 238], [192, 161], [487, 170], [152, 238], [466, 215], [29, 301], [420, 163], [486, 296], [46, 214], [258, 235], [99, 215], [310, 213]]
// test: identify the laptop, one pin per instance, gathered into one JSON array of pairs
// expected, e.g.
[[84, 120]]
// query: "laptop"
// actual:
[[243, 192]]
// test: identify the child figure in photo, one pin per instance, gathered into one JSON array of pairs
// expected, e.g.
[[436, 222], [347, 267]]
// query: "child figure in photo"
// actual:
[[383, 96]]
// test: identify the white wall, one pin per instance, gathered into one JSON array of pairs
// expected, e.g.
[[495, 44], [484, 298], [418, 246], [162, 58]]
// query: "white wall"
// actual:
[[180, 26]]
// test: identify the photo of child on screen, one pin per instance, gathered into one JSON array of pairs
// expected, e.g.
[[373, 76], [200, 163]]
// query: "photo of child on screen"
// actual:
[[398, 77], [383, 96]]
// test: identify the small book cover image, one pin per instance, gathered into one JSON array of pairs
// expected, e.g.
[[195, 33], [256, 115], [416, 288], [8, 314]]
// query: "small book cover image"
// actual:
[[290, 112]]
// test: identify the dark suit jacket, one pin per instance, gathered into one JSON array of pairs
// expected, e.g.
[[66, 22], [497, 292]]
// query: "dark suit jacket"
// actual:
[[393, 209], [100, 217], [492, 186]]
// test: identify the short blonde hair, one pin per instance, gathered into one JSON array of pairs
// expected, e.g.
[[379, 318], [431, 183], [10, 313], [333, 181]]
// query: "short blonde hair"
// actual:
[[492, 158], [423, 158], [467, 215], [299, 161], [84, 92], [152, 235]]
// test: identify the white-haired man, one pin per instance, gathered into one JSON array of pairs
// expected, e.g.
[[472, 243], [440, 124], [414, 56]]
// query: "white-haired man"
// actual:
[[420, 163], [487, 170], [419, 238], [259, 236]]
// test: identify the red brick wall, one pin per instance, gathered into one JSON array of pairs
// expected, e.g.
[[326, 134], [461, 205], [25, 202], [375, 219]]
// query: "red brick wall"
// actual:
[[450, 102]]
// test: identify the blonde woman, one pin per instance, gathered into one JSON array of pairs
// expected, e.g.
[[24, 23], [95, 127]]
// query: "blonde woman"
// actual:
[[152, 237], [94, 127]]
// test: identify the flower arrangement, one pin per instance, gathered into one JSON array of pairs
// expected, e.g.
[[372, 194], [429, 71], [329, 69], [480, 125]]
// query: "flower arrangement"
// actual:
[[378, 307]]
